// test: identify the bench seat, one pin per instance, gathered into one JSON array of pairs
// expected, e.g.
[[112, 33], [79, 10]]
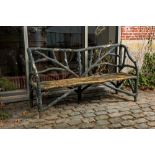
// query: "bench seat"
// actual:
[[45, 85]]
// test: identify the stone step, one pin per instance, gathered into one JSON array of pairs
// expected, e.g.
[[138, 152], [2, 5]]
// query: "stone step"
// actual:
[[12, 93], [14, 98]]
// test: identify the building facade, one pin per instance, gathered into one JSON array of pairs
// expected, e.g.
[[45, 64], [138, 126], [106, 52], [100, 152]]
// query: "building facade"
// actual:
[[139, 39], [15, 40]]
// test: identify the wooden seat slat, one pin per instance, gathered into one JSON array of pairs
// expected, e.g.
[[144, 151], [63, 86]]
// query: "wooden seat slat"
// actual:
[[45, 85]]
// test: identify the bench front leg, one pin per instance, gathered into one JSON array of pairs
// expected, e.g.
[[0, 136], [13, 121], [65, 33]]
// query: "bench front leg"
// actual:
[[39, 97], [31, 96], [136, 89]]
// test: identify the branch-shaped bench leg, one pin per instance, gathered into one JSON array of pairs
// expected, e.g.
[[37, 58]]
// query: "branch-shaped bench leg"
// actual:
[[79, 92], [134, 94], [134, 87], [39, 99], [59, 99], [31, 97], [117, 84]]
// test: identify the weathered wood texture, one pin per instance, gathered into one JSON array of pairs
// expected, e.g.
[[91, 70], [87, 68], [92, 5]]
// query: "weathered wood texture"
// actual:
[[85, 80]]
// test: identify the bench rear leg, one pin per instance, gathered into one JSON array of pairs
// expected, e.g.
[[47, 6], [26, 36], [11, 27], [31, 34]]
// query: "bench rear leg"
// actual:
[[79, 92], [116, 91], [118, 85]]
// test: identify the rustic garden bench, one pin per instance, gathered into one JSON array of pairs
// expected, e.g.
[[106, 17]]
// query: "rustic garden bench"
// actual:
[[105, 66]]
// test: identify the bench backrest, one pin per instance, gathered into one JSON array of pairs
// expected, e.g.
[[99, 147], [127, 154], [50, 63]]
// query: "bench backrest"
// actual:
[[101, 60]]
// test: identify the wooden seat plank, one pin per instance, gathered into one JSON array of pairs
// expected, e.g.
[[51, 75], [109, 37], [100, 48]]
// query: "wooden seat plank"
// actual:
[[45, 85]]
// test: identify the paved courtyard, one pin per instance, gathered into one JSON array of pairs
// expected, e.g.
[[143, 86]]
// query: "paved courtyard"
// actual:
[[100, 112]]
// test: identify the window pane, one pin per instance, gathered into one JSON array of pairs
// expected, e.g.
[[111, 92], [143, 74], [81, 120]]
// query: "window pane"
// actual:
[[56, 36], [100, 35], [12, 58]]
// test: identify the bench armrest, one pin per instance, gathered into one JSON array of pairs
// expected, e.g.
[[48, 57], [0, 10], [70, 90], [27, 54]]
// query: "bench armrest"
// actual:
[[134, 65]]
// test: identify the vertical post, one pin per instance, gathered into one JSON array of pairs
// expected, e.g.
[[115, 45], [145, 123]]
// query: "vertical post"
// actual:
[[119, 35], [26, 45], [86, 46], [118, 39], [119, 47]]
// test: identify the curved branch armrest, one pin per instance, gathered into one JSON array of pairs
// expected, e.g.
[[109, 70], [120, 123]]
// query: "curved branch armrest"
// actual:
[[130, 58], [128, 54]]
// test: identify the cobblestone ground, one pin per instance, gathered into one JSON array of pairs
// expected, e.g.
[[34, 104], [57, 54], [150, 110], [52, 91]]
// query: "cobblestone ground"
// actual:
[[106, 111]]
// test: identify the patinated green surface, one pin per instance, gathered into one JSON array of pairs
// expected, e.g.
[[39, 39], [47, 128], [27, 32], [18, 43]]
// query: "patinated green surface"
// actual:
[[107, 56]]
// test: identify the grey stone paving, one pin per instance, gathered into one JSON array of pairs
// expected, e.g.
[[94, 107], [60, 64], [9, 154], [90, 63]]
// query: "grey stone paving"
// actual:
[[107, 111]]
